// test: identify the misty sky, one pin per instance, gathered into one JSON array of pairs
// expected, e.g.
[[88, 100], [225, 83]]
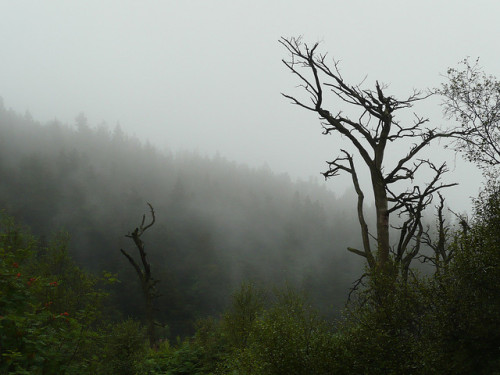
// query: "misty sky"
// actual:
[[207, 75]]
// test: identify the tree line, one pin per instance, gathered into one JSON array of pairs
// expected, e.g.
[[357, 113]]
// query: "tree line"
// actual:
[[217, 222]]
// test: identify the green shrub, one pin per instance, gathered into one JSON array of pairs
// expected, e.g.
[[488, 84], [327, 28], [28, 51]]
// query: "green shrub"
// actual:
[[462, 323], [124, 348], [247, 304], [36, 336], [46, 313], [287, 338]]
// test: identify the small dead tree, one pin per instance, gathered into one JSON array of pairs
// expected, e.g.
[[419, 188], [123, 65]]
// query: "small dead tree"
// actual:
[[148, 283], [443, 254], [369, 134]]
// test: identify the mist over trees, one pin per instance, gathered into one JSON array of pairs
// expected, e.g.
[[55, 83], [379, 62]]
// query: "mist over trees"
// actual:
[[217, 223], [248, 266]]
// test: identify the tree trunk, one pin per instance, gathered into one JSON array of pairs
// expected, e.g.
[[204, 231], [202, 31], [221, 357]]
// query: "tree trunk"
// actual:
[[382, 213], [150, 320]]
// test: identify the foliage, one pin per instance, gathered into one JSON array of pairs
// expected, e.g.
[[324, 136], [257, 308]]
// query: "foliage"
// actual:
[[47, 307], [186, 359], [247, 304], [34, 337], [124, 348], [447, 323], [288, 337], [77, 290], [380, 331], [283, 336], [463, 315], [472, 98]]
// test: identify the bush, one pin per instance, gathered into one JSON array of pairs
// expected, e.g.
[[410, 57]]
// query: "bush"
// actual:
[[124, 348], [35, 336], [287, 338], [45, 320], [247, 304], [462, 323], [448, 323]]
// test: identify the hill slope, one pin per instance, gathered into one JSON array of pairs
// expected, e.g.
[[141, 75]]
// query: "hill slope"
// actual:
[[218, 223]]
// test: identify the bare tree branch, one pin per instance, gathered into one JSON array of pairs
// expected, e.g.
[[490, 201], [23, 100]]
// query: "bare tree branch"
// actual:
[[148, 283], [369, 134]]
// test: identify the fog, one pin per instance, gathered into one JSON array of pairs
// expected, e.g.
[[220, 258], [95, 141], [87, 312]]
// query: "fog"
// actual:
[[206, 76], [218, 223]]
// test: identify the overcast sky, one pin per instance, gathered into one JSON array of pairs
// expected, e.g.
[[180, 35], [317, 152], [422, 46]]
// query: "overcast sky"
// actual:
[[207, 75]]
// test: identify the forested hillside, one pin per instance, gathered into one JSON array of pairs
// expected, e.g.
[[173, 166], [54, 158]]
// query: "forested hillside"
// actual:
[[217, 223], [233, 248]]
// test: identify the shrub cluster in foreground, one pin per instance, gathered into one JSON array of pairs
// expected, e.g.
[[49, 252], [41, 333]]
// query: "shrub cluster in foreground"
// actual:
[[54, 319]]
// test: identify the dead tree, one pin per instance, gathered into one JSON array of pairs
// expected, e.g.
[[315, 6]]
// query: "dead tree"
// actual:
[[148, 283], [442, 253], [369, 133]]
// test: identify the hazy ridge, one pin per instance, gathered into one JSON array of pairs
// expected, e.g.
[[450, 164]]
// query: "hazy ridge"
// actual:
[[218, 222]]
